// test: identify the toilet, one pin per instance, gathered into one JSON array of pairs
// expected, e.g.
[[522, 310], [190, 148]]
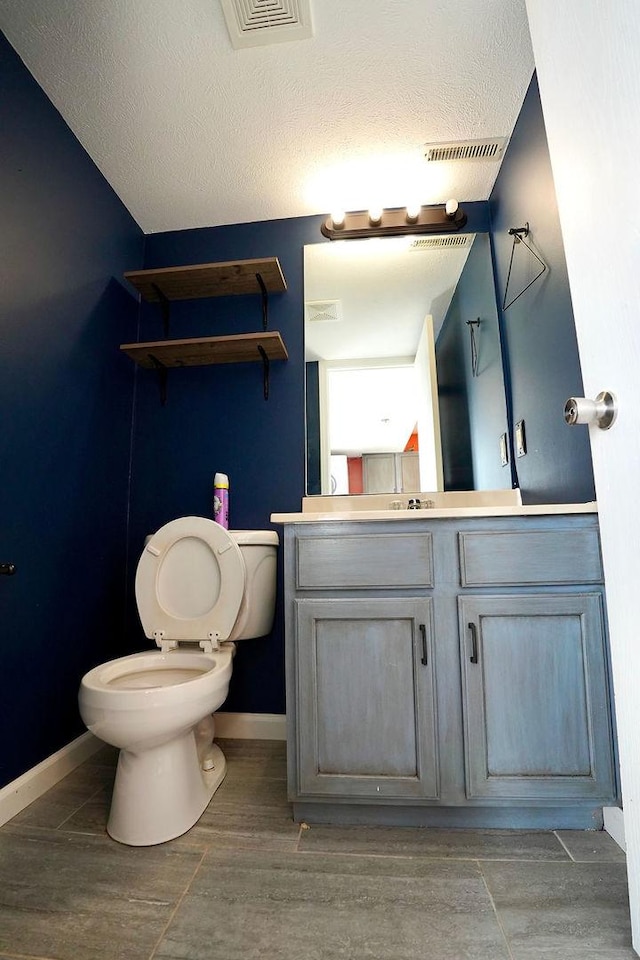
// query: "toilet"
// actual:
[[199, 588]]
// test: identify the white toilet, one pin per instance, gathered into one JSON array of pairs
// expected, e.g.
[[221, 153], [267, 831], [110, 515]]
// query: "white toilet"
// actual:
[[198, 588]]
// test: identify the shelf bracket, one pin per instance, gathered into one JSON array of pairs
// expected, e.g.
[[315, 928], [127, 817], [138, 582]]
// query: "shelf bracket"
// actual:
[[162, 378], [265, 370], [265, 301], [165, 308]]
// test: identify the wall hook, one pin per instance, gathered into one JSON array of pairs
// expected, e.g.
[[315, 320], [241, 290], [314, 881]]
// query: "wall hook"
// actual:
[[472, 324], [518, 234]]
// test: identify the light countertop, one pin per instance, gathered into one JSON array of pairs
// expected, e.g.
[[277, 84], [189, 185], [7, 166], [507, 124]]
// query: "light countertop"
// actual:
[[434, 513]]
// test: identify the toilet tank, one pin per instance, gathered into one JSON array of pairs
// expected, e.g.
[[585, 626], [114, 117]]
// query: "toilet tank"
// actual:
[[259, 550]]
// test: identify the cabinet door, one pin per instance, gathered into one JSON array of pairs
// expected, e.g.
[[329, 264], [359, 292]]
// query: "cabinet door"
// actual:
[[409, 468], [536, 711], [366, 715], [379, 473]]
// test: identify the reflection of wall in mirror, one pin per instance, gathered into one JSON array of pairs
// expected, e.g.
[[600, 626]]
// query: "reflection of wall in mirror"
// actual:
[[472, 408]]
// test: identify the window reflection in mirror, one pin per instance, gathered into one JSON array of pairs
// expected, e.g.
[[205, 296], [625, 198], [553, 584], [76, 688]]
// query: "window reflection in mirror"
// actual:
[[392, 402]]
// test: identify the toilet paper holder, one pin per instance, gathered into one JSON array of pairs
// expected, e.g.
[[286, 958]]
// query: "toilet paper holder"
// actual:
[[600, 412]]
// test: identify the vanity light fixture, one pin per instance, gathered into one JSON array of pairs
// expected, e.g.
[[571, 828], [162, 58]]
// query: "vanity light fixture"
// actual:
[[395, 222]]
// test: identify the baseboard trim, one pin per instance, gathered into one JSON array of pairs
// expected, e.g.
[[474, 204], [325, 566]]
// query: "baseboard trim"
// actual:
[[251, 726], [614, 825], [21, 792]]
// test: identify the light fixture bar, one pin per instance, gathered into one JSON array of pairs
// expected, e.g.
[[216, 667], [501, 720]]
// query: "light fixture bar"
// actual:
[[395, 222]]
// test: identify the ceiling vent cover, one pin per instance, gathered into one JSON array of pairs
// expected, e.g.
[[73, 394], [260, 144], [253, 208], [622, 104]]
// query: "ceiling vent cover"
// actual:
[[492, 149], [438, 243], [255, 23], [323, 311]]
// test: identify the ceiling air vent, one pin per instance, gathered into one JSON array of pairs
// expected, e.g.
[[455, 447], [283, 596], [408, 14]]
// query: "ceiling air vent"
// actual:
[[256, 23], [323, 311], [466, 150], [438, 243]]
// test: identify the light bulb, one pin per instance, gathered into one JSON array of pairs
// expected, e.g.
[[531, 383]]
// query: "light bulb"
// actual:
[[337, 219], [375, 216], [413, 212], [451, 208]]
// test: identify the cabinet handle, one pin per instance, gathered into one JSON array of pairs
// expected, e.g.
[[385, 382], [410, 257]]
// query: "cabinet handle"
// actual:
[[424, 660], [474, 643]]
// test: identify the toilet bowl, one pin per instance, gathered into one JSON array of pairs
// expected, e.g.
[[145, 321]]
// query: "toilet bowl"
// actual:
[[199, 588]]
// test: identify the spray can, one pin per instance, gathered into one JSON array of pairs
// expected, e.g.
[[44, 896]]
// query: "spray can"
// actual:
[[221, 499]]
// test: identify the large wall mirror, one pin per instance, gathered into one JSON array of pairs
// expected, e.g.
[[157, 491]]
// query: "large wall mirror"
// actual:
[[405, 388]]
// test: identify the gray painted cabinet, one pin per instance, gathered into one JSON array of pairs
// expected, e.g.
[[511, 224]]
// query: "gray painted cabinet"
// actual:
[[534, 694], [366, 698], [450, 672]]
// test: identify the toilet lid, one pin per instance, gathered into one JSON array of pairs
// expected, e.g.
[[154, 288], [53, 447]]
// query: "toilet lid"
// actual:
[[190, 581]]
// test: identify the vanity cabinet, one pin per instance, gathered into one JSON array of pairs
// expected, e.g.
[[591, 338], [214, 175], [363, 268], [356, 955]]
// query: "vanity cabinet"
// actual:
[[366, 716], [535, 696], [363, 664], [448, 671], [534, 677]]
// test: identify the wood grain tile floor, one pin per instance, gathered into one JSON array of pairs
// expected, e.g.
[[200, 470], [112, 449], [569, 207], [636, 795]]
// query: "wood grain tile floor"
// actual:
[[246, 882]]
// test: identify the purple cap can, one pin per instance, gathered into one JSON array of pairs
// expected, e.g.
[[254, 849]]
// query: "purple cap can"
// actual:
[[221, 499]]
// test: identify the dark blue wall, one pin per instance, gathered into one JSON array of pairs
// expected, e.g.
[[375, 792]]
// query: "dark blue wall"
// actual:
[[74, 409], [216, 419], [65, 400], [538, 329]]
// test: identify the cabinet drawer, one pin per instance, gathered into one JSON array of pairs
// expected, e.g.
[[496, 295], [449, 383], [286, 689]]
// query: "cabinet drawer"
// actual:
[[385, 560], [529, 557]]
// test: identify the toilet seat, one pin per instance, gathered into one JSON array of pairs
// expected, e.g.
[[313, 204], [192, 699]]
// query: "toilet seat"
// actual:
[[190, 583]]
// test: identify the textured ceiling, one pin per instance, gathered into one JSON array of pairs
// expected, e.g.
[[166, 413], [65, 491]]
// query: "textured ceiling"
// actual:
[[191, 132]]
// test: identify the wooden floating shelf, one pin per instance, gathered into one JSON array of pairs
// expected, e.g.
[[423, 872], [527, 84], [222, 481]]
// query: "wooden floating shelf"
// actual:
[[201, 351], [208, 280]]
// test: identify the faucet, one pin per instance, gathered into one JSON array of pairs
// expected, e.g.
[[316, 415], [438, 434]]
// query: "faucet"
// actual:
[[413, 504]]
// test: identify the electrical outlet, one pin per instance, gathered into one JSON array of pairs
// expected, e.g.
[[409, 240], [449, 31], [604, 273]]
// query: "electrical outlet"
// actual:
[[521, 440]]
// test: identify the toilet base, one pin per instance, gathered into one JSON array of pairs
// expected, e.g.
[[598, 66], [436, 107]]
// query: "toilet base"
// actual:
[[161, 793]]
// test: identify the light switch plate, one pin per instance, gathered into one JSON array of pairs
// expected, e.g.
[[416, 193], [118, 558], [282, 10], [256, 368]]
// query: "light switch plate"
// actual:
[[521, 441], [504, 450]]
